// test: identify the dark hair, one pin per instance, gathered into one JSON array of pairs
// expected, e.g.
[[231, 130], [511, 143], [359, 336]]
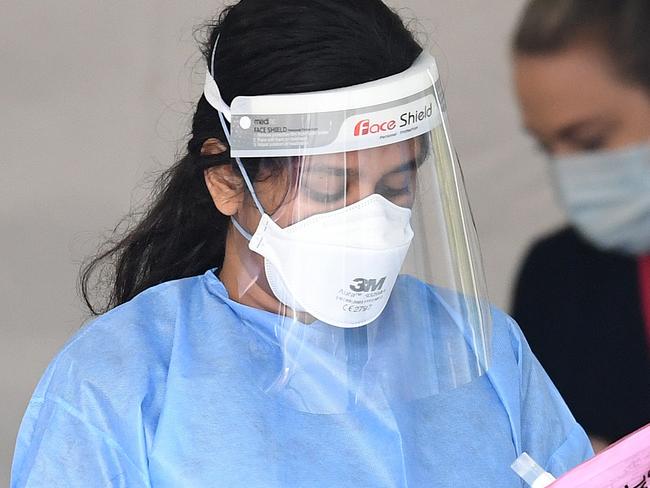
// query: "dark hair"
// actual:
[[264, 47], [619, 26]]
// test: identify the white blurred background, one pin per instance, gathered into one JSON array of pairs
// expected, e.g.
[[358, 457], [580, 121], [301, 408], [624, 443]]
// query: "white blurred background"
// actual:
[[97, 95]]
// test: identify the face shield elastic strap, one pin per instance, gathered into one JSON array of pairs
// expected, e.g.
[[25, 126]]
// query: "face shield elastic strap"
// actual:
[[223, 108]]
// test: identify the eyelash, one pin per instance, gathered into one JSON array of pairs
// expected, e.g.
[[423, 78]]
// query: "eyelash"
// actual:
[[593, 144], [385, 191], [392, 192], [325, 197]]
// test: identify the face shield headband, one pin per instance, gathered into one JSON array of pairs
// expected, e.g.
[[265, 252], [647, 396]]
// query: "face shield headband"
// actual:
[[386, 111]]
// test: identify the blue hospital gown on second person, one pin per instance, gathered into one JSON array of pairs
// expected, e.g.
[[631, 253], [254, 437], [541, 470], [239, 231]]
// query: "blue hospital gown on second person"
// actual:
[[158, 392]]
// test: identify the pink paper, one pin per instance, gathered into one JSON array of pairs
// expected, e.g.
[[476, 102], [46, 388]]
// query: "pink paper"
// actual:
[[625, 464]]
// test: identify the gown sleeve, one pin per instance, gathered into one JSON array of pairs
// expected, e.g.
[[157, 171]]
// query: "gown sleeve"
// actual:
[[84, 424], [549, 432], [57, 447]]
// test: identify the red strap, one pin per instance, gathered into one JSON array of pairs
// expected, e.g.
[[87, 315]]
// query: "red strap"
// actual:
[[644, 283]]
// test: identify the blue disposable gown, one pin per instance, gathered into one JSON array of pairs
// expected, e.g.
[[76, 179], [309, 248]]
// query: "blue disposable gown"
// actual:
[[159, 392]]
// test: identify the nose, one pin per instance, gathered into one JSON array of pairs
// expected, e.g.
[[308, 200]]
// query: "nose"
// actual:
[[562, 149], [360, 189]]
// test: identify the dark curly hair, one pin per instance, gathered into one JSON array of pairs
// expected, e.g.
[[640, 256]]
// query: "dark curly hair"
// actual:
[[264, 47]]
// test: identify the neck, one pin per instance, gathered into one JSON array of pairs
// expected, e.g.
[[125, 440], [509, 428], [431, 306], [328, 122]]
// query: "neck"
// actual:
[[243, 275]]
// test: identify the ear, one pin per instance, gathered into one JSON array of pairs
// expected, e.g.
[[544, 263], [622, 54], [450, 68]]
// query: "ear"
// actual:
[[225, 187], [224, 184]]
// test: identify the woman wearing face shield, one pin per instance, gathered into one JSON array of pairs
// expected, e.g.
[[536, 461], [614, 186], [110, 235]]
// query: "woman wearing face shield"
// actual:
[[582, 72], [302, 304]]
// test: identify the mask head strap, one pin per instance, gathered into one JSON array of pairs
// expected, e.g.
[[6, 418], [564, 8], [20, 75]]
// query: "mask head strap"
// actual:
[[247, 235]]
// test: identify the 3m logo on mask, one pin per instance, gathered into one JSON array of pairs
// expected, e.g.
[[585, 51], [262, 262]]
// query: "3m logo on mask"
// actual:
[[365, 126], [362, 285]]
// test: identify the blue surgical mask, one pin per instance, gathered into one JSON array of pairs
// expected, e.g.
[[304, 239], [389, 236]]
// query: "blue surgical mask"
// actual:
[[607, 196]]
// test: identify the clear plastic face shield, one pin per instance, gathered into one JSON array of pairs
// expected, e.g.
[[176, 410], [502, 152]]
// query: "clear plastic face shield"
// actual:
[[358, 227]]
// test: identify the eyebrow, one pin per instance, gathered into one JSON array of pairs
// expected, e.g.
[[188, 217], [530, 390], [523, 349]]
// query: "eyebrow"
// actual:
[[338, 171], [571, 131], [407, 166]]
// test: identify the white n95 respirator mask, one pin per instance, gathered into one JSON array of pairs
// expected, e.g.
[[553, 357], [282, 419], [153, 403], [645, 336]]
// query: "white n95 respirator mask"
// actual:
[[338, 266]]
